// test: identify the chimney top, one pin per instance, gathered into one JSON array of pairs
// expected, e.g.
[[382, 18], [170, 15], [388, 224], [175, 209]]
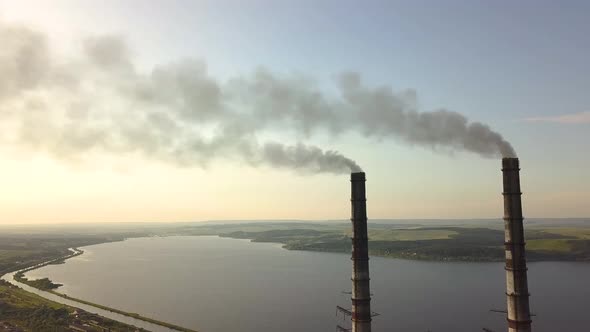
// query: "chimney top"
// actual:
[[358, 176], [510, 164]]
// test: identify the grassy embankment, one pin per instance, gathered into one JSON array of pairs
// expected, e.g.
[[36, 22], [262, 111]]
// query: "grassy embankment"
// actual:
[[125, 313], [47, 285], [30, 312], [25, 311]]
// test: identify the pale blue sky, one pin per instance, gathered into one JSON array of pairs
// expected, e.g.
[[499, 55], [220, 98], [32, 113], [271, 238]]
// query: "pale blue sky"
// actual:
[[498, 62]]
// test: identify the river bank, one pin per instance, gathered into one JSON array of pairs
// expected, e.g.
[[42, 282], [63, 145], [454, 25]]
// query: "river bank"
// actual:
[[17, 278]]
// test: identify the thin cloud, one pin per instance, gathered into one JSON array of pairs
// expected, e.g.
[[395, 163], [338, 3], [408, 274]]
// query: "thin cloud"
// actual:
[[574, 118]]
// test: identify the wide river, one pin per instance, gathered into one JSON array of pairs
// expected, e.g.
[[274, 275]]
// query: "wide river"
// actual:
[[216, 284]]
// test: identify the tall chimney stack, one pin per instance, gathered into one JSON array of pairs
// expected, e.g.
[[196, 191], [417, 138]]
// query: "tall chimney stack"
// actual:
[[517, 292], [361, 293]]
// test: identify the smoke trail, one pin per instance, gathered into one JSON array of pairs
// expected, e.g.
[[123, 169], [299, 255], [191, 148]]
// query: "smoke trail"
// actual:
[[378, 112], [97, 101], [308, 158]]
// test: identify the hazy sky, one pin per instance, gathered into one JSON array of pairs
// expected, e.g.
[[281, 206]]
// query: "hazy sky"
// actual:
[[520, 67]]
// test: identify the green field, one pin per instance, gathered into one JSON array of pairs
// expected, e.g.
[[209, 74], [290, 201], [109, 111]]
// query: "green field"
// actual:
[[576, 233], [410, 234], [424, 243]]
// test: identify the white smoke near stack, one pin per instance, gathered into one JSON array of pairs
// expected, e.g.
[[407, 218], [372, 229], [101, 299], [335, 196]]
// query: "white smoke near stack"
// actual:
[[98, 101]]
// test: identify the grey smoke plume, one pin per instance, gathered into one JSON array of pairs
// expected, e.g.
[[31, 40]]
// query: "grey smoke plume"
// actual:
[[98, 101], [378, 112], [307, 157]]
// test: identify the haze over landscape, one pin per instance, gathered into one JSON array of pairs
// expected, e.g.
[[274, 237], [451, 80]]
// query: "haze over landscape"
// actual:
[[223, 165]]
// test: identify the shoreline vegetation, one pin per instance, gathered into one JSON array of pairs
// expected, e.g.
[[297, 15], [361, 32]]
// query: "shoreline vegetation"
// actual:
[[23, 311], [445, 244], [45, 284], [125, 313]]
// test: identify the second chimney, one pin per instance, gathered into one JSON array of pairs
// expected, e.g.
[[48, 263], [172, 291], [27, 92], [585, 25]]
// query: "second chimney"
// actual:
[[361, 293], [517, 291]]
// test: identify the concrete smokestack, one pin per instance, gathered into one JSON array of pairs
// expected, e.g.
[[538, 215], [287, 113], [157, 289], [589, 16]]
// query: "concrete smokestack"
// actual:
[[361, 293], [517, 292]]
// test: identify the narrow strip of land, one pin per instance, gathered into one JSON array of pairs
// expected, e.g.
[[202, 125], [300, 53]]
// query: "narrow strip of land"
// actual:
[[125, 313], [46, 285]]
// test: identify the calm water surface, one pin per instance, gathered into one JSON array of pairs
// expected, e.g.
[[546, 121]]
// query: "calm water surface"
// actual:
[[225, 285]]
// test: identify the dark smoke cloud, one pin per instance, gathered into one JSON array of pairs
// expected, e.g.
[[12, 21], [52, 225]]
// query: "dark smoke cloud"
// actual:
[[99, 101], [308, 158], [378, 112]]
